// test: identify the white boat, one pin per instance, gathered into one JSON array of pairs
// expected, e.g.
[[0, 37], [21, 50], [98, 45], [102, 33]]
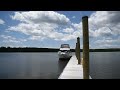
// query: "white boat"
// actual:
[[64, 51]]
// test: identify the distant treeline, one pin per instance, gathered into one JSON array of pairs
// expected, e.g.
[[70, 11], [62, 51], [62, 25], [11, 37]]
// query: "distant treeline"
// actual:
[[29, 49], [8, 49], [106, 50], [32, 49]]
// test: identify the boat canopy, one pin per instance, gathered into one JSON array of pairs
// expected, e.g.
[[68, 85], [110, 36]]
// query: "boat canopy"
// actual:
[[65, 46]]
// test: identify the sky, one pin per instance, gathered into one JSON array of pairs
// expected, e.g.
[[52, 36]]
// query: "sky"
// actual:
[[52, 28]]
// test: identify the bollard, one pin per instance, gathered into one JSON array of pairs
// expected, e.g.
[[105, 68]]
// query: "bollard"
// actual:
[[85, 47]]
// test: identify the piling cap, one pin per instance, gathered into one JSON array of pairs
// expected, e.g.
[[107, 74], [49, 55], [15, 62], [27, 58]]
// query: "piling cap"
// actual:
[[84, 17], [78, 38]]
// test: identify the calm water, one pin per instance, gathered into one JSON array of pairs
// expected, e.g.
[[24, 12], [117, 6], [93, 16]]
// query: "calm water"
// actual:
[[31, 65], [103, 65]]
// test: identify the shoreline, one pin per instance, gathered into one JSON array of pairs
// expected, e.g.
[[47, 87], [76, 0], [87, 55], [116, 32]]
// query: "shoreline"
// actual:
[[51, 50]]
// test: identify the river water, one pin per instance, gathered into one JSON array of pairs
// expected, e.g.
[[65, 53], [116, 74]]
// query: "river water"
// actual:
[[103, 65], [31, 65]]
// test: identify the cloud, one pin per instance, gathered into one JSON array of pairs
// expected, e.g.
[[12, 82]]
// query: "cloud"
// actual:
[[103, 31], [77, 29], [68, 30], [40, 17], [36, 38], [40, 25], [108, 42], [102, 25], [11, 39], [105, 26], [41, 32], [105, 23], [1, 21], [68, 37]]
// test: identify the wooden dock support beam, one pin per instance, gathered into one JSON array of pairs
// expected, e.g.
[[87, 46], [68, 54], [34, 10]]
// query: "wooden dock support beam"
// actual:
[[78, 50], [85, 47]]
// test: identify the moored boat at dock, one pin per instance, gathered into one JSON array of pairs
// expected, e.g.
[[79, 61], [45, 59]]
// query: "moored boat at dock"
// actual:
[[64, 51]]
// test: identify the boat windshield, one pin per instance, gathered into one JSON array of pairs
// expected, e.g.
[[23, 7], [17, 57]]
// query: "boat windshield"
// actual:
[[65, 50], [65, 46]]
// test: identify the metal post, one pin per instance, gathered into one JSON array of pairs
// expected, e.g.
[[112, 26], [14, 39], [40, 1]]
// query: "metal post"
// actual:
[[85, 47]]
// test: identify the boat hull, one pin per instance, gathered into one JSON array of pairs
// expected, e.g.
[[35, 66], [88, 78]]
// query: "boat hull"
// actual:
[[64, 55]]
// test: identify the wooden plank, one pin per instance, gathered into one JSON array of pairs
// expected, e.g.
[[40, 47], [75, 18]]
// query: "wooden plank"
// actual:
[[73, 70]]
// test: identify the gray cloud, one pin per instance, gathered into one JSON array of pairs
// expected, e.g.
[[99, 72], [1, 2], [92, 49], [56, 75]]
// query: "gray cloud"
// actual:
[[114, 17]]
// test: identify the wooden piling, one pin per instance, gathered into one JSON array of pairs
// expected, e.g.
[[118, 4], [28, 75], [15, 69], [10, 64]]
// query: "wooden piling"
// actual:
[[85, 47], [78, 50]]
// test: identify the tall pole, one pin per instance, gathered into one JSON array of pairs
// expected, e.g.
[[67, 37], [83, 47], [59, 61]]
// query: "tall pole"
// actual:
[[78, 50], [85, 47]]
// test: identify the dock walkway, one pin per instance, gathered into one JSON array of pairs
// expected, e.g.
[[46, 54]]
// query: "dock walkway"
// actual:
[[73, 70]]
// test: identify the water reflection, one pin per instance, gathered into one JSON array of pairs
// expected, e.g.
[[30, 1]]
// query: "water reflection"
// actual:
[[61, 64], [48, 66], [31, 65]]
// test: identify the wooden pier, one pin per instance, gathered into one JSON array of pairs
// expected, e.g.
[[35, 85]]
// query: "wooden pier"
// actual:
[[73, 70], [78, 68]]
